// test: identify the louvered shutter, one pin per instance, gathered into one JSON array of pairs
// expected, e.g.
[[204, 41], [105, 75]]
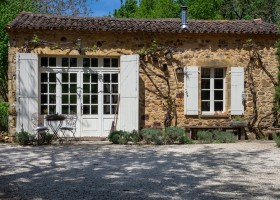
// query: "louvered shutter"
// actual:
[[27, 89], [237, 89], [191, 90], [129, 93]]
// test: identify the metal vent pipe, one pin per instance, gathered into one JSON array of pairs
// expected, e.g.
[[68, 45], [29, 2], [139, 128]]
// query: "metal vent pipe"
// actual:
[[184, 23]]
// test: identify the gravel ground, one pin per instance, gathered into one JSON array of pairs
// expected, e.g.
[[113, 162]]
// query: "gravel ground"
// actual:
[[99, 170]]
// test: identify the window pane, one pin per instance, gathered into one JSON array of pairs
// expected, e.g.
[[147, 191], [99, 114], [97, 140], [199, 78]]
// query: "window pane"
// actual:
[[73, 88], [73, 109], [64, 109], [86, 88], [65, 88], [205, 95], [106, 88], [106, 62], [65, 78], [86, 110], [94, 78], [52, 109], [52, 88], [115, 99], [52, 99], [114, 109], [94, 110], [65, 62], [218, 83], [106, 78], [73, 78], [52, 77], [44, 99], [44, 88], [218, 106], [73, 62], [44, 77], [52, 61], [94, 88], [205, 106], [106, 99], [219, 73], [86, 62], [65, 99], [86, 99], [115, 62], [205, 72], [44, 62], [114, 88], [205, 84], [114, 78], [94, 62], [86, 78], [94, 99], [44, 110], [218, 95], [106, 109], [73, 99]]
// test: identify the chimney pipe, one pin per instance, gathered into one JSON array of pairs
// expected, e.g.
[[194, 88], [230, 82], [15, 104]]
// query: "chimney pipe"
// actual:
[[184, 24]]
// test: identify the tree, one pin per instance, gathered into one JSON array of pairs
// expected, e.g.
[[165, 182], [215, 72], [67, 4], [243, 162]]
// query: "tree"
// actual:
[[65, 7], [8, 11], [126, 10], [268, 10]]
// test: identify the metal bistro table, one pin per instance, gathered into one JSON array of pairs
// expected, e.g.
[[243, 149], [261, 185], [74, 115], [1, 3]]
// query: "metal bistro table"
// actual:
[[55, 122]]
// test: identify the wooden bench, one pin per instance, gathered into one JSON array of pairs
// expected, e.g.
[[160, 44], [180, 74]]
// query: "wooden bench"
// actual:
[[192, 130]]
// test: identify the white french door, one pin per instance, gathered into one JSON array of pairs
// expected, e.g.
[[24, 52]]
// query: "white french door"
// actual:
[[99, 100]]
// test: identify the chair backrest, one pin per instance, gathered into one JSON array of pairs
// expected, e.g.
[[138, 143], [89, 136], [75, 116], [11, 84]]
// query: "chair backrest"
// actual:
[[37, 120], [71, 120]]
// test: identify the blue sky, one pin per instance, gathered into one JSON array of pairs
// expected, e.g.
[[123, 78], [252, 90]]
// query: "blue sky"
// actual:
[[104, 7]]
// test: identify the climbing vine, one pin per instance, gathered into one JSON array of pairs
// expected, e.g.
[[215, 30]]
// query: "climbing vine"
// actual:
[[256, 62]]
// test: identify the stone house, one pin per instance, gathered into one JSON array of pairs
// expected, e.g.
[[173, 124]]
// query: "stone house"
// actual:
[[151, 71]]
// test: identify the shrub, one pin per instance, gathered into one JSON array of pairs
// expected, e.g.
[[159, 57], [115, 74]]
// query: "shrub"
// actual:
[[48, 138], [173, 134], [205, 136], [22, 137], [276, 138], [152, 136], [119, 137], [4, 116], [134, 136], [224, 137], [185, 140]]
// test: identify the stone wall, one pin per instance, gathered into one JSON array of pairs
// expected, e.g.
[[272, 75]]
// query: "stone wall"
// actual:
[[191, 50]]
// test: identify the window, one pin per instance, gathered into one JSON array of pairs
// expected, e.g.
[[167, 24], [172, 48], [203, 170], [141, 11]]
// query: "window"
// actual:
[[111, 62], [48, 61], [90, 62], [48, 93], [212, 90]]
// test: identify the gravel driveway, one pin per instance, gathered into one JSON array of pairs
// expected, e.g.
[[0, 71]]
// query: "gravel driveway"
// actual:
[[99, 170]]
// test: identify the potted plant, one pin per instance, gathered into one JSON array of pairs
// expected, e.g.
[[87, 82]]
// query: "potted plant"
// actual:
[[238, 121]]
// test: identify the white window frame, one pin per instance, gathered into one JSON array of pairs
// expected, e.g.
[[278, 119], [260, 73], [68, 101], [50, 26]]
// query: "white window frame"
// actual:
[[212, 100]]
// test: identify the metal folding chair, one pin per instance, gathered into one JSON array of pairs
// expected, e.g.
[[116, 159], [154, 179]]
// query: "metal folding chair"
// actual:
[[70, 126], [38, 126]]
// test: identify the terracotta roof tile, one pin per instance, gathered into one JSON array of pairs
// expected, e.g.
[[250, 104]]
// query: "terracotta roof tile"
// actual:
[[31, 21]]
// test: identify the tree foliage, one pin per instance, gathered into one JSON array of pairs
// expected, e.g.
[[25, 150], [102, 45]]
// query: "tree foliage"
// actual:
[[8, 11], [268, 10], [65, 7]]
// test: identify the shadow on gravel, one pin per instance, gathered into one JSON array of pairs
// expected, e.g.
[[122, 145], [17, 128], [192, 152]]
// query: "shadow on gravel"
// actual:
[[129, 172]]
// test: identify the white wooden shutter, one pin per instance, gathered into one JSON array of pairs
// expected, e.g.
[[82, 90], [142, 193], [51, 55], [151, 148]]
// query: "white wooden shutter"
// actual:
[[27, 89], [237, 89], [129, 93], [191, 90]]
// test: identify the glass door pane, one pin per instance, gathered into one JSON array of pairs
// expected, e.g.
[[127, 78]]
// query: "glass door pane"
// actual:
[[69, 93], [110, 93], [90, 94]]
